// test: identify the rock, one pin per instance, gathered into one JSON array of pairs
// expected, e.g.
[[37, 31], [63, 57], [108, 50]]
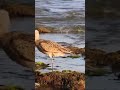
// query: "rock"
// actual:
[[20, 10], [95, 56], [113, 57], [43, 29], [99, 57], [77, 50], [40, 65], [62, 80], [21, 48]]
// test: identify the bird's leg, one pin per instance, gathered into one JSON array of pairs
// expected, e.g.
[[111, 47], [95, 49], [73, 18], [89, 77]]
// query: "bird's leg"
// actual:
[[52, 63]]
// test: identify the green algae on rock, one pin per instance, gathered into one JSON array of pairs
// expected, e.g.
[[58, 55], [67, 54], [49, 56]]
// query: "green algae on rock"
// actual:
[[40, 65], [97, 72], [75, 56]]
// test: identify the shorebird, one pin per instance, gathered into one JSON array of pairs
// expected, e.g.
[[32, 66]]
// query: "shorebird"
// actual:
[[17, 45], [50, 48]]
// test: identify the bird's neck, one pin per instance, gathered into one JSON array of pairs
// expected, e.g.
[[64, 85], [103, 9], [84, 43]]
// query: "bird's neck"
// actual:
[[37, 37]]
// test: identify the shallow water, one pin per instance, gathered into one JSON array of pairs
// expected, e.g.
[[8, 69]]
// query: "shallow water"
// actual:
[[13, 74], [25, 24], [60, 13], [106, 37], [102, 83], [59, 64]]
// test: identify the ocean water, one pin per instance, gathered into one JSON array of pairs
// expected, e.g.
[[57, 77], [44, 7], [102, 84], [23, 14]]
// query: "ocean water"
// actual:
[[59, 13], [13, 74], [55, 13], [106, 37], [103, 34]]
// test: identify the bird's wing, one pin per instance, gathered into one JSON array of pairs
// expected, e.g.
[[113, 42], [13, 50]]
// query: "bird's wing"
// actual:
[[50, 46]]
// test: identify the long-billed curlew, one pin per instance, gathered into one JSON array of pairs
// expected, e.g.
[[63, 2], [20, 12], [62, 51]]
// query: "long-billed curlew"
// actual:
[[18, 46], [50, 48]]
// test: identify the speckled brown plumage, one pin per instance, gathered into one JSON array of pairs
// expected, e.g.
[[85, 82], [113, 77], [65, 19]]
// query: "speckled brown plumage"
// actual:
[[52, 49]]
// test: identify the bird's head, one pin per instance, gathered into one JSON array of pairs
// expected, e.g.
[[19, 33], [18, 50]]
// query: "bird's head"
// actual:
[[36, 35]]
